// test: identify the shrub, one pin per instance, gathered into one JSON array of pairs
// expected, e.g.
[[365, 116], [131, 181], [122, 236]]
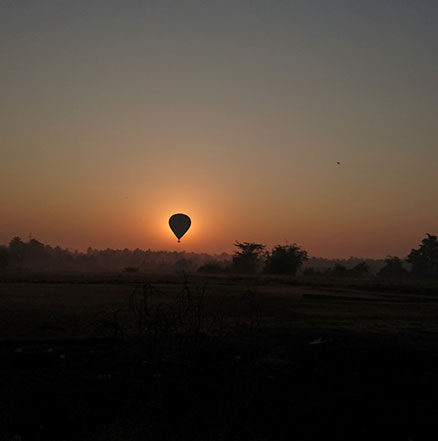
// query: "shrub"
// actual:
[[393, 268], [285, 259], [211, 268]]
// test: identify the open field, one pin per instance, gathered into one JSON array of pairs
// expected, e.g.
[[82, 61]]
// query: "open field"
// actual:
[[115, 356]]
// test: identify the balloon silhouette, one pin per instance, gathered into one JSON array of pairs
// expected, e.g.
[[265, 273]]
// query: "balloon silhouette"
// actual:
[[179, 223]]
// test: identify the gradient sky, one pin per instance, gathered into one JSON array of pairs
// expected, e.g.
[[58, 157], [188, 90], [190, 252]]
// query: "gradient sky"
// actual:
[[116, 114]]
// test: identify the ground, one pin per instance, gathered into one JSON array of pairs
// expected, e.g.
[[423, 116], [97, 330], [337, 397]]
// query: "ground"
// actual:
[[113, 356]]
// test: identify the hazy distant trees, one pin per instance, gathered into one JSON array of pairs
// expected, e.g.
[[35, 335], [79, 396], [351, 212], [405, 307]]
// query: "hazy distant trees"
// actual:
[[33, 253], [183, 264], [36, 255], [36, 250], [312, 272], [393, 268], [4, 257], [360, 270], [17, 249], [285, 259], [248, 258], [424, 259], [212, 267], [339, 270]]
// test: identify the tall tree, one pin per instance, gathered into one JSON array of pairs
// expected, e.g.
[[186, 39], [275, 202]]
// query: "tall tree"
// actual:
[[17, 249], [4, 257], [424, 259], [248, 258]]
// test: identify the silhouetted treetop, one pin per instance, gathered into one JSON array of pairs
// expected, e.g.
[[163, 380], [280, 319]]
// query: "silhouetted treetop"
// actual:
[[360, 270], [393, 268], [285, 259], [248, 258], [34, 254], [424, 259], [4, 257]]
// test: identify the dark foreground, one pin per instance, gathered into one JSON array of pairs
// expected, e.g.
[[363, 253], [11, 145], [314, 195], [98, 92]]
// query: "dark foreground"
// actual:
[[241, 359]]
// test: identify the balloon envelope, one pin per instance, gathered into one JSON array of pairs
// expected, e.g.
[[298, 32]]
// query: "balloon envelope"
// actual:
[[179, 224]]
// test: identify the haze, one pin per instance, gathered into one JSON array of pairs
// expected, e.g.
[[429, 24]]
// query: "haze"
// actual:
[[115, 115]]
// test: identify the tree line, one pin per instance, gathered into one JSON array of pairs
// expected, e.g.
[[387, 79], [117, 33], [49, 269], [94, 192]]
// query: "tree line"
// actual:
[[33, 254], [248, 258], [251, 257]]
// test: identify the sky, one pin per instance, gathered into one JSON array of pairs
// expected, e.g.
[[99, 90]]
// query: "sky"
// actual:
[[115, 115]]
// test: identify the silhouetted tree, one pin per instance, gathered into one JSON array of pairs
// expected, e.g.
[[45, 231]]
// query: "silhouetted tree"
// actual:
[[4, 257], [35, 250], [312, 272], [17, 249], [285, 259], [249, 257], [34, 254], [424, 259], [393, 268], [339, 270], [359, 270]]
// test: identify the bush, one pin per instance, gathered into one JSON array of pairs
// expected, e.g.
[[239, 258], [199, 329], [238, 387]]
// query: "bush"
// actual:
[[312, 272], [393, 268], [211, 268], [339, 271], [360, 270], [285, 259]]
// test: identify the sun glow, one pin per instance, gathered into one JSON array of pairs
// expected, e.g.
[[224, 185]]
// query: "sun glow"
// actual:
[[157, 225]]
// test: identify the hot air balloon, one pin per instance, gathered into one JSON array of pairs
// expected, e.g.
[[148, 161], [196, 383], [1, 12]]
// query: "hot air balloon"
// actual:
[[179, 223]]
